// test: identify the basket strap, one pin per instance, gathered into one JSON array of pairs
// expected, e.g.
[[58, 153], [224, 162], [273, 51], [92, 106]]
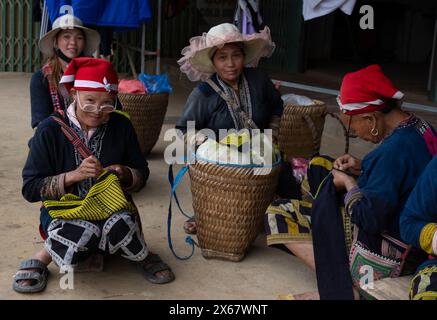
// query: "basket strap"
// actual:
[[174, 182], [77, 143], [345, 133], [314, 132]]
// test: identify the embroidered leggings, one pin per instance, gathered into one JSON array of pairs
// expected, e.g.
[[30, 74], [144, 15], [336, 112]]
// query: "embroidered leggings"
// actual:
[[72, 241]]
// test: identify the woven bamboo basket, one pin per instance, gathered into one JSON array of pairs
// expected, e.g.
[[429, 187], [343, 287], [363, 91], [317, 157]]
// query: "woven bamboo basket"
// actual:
[[229, 205], [301, 128], [147, 112]]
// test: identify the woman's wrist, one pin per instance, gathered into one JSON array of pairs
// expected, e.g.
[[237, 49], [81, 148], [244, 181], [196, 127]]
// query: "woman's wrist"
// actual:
[[71, 177], [350, 183]]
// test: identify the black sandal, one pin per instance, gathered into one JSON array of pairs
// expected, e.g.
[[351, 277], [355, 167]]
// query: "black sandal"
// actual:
[[153, 264], [38, 278]]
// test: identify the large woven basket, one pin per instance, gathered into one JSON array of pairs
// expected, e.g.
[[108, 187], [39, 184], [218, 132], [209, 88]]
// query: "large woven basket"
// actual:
[[301, 128], [229, 205], [147, 112]]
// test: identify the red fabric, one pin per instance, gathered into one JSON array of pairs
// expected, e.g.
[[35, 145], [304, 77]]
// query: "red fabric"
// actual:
[[364, 86], [131, 86], [42, 233], [431, 141], [90, 69]]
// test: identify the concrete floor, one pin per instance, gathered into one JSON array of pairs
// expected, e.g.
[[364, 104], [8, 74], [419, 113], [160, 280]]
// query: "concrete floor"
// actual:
[[263, 274]]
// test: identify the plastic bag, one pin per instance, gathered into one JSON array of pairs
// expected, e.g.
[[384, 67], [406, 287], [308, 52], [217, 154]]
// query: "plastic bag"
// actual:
[[297, 100], [214, 152], [239, 148], [155, 83]]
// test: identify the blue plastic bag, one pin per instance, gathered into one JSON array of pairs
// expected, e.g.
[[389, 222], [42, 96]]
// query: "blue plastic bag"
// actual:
[[155, 83]]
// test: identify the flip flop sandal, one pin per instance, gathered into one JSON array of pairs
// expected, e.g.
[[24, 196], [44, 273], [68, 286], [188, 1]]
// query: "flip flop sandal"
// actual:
[[154, 264], [38, 278], [192, 230]]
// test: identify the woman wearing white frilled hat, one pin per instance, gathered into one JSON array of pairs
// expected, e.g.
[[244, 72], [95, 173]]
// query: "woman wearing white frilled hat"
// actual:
[[224, 59], [67, 40]]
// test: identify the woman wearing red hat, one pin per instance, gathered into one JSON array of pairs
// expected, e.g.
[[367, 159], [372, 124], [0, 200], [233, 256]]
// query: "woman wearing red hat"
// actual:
[[351, 228], [67, 40], [83, 165]]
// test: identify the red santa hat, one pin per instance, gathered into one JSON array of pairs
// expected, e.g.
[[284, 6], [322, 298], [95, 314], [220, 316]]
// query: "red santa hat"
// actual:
[[89, 74], [366, 90]]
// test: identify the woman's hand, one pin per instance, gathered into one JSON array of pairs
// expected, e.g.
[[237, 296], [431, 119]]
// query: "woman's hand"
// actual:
[[123, 173], [348, 163], [89, 168], [342, 180], [277, 85]]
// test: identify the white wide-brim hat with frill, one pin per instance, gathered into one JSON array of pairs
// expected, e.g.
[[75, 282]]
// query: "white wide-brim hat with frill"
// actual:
[[196, 62], [68, 21]]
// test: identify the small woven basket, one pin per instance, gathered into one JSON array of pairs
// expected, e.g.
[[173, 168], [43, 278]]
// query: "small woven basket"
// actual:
[[229, 205], [301, 128], [147, 113]]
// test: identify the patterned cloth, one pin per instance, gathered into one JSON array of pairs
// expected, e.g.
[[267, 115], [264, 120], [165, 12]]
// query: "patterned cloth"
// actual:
[[53, 88], [103, 199], [424, 283], [288, 221], [390, 262], [72, 241], [242, 98]]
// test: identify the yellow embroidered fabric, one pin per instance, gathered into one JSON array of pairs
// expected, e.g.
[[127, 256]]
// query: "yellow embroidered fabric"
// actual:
[[103, 199]]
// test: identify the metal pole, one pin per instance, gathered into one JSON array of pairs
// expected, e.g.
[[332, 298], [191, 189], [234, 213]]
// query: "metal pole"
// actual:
[[143, 48], [431, 67], [131, 63], [158, 39], [405, 105]]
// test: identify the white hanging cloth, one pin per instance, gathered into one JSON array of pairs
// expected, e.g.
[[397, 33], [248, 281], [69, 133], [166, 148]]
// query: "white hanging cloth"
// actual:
[[318, 8], [247, 17]]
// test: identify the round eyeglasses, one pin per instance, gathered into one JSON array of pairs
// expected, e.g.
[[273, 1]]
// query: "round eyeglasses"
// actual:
[[106, 108]]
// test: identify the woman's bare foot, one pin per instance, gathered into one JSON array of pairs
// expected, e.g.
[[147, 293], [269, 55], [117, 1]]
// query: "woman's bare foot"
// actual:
[[190, 226]]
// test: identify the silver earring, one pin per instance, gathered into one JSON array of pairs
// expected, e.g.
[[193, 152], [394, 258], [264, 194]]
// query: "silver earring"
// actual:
[[374, 132]]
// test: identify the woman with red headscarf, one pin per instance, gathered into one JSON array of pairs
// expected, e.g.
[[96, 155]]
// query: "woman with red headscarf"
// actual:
[[83, 165], [359, 199]]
